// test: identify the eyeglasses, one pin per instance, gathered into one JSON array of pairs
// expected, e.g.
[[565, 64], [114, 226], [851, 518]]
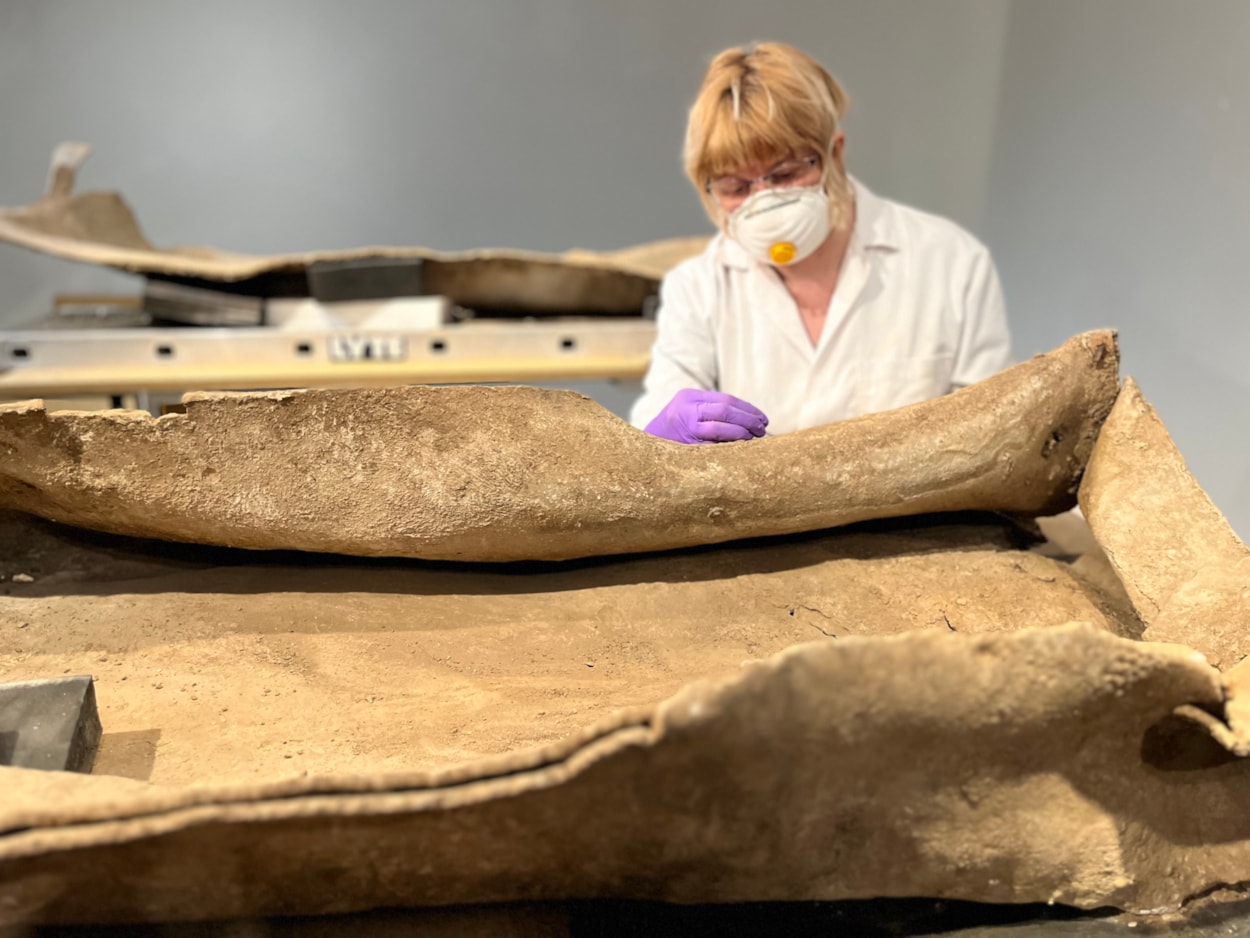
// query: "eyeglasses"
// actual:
[[782, 176]]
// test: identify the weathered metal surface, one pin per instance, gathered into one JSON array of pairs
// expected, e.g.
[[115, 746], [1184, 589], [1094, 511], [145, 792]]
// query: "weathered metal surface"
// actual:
[[516, 473]]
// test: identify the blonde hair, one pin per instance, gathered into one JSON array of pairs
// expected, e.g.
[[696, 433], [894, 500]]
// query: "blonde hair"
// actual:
[[761, 104]]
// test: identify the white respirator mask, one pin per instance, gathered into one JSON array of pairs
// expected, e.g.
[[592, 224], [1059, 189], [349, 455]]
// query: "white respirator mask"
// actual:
[[782, 226]]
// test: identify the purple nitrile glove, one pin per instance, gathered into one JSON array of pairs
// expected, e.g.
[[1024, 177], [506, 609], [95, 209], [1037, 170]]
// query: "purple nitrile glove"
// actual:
[[694, 416]]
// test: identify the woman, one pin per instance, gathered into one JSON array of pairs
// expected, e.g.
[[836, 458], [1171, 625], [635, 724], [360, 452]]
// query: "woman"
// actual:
[[818, 300]]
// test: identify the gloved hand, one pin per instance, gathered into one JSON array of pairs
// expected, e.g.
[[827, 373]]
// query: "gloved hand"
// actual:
[[694, 416]]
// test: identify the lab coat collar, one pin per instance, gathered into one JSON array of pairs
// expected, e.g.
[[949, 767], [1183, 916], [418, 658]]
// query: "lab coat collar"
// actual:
[[875, 227]]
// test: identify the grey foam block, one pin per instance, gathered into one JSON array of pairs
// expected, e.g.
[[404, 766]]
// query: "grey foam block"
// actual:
[[49, 724], [367, 278]]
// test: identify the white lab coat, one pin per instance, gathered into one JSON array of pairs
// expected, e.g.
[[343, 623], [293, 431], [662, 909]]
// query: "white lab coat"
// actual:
[[917, 312]]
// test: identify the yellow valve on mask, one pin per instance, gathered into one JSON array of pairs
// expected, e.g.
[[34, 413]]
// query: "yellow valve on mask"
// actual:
[[782, 252]]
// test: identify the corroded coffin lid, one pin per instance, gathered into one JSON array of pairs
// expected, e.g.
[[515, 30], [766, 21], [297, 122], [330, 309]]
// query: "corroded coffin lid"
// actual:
[[1071, 763], [517, 473], [1025, 767], [100, 228]]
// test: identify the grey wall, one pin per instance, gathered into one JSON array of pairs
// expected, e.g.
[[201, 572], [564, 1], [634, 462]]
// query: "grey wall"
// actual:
[[1119, 195], [1098, 146], [281, 125]]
